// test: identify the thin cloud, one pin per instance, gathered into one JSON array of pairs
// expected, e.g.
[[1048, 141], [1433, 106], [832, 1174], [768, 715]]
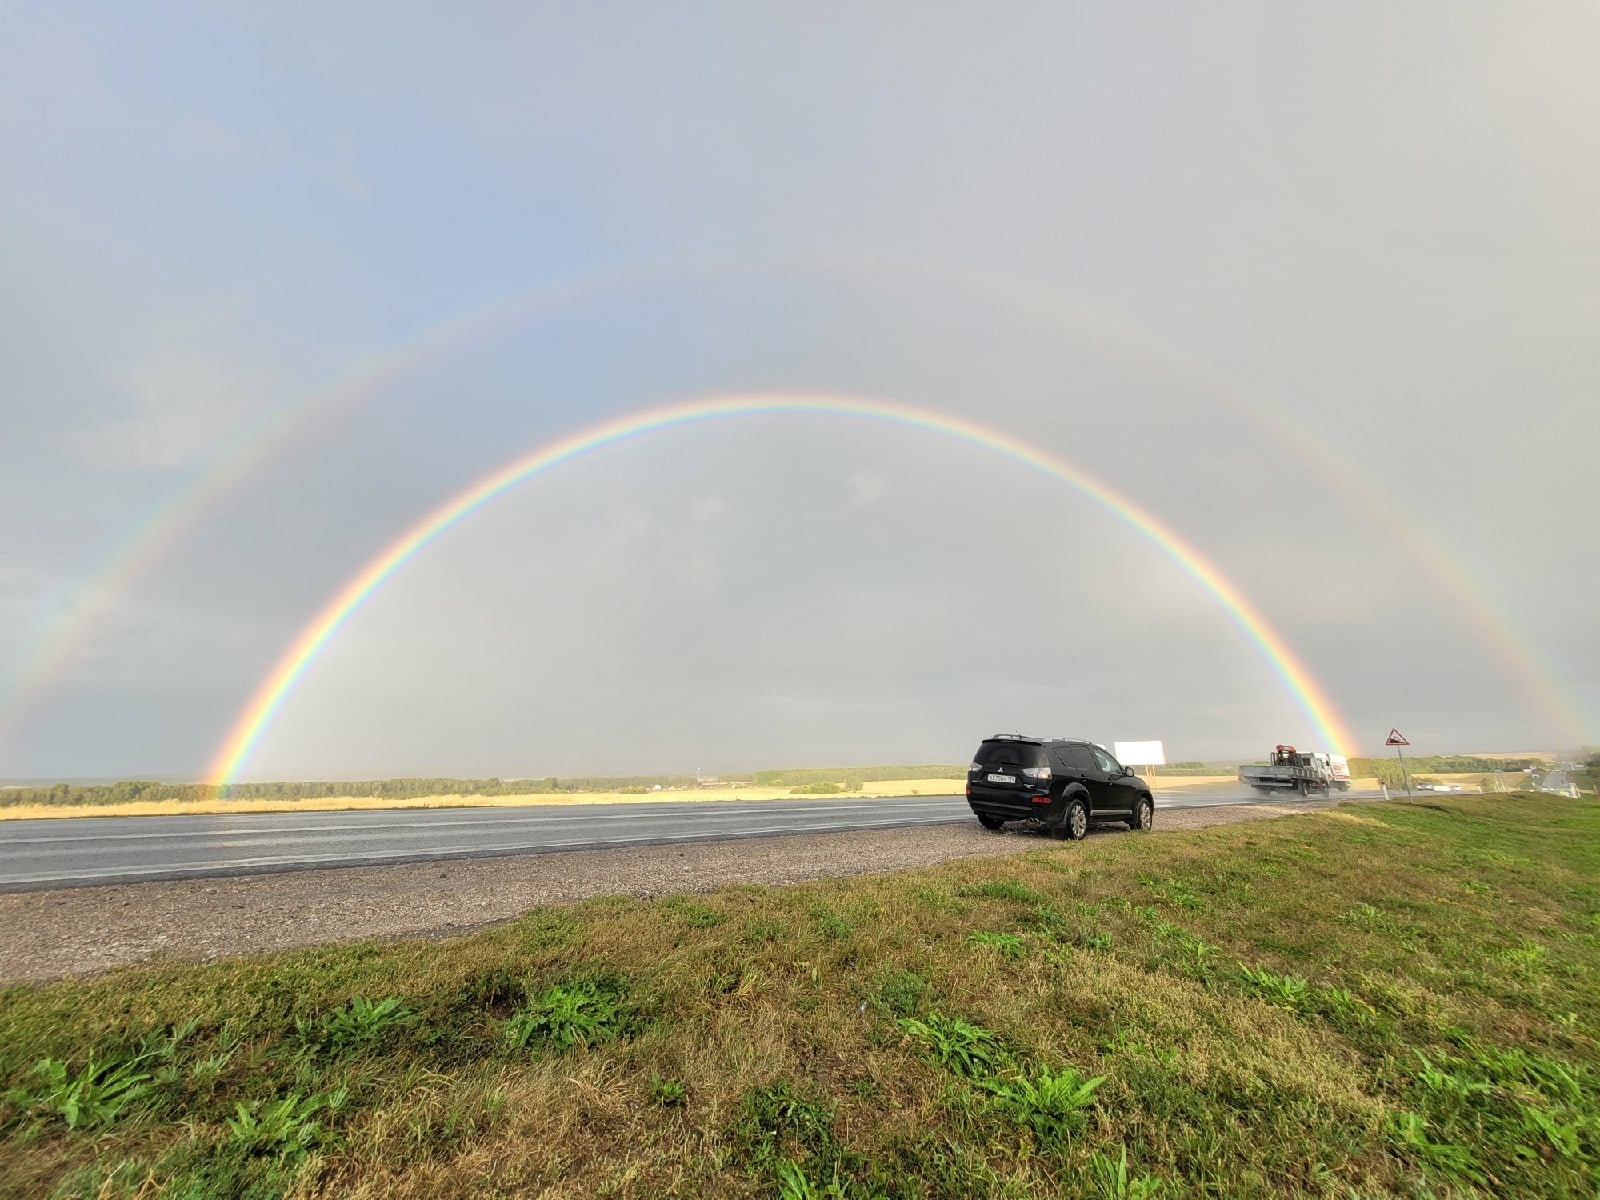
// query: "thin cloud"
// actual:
[[183, 403]]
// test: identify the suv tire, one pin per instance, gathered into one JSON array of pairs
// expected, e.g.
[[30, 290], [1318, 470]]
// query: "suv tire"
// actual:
[[1075, 821], [1144, 814], [992, 824]]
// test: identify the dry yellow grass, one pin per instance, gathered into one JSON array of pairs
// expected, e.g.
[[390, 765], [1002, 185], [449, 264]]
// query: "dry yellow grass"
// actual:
[[1163, 784], [169, 808], [1191, 783]]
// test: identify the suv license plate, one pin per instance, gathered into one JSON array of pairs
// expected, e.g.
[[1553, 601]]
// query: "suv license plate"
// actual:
[[1002, 779]]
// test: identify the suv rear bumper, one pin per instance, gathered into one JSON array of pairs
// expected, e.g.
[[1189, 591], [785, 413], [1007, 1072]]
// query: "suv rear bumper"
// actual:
[[1007, 803]]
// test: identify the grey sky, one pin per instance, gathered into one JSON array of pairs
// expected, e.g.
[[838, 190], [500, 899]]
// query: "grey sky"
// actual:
[[1079, 225]]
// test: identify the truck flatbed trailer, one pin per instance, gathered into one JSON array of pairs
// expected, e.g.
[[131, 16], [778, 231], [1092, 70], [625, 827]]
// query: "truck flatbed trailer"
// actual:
[[1291, 770]]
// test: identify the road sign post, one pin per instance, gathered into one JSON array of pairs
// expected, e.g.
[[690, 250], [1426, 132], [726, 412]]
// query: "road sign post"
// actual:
[[1398, 741]]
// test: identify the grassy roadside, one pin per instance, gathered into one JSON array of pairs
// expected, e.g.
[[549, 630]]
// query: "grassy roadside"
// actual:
[[1388, 1000]]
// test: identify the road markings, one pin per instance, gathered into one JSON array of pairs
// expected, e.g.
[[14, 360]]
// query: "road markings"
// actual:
[[889, 812], [369, 827], [474, 852]]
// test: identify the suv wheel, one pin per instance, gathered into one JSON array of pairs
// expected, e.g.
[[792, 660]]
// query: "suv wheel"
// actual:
[[1075, 821], [1144, 814], [990, 823]]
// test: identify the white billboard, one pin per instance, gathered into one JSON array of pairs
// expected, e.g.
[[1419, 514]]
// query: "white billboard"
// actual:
[[1140, 754]]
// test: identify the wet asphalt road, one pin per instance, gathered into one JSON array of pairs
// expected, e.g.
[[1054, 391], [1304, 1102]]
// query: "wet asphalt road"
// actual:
[[75, 851]]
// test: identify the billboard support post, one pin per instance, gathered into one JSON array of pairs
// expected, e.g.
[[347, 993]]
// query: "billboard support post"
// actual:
[[1141, 755]]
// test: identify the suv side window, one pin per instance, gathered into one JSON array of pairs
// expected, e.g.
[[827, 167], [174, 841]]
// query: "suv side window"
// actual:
[[1105, 761], [1078, 758]]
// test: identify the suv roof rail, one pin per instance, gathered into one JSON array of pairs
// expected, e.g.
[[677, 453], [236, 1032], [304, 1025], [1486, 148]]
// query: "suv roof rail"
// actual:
[[1015, 737]]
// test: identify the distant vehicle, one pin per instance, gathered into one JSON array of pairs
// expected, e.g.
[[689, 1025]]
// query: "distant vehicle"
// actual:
[[1339, 767], [1065, 783], [1431, 786], [1291, 770]]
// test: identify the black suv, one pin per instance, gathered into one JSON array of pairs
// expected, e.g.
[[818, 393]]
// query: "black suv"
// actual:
[[1065, 783]]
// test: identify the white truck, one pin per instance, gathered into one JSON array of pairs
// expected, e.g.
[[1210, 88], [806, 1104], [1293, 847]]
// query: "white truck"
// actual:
[[1291, 770], [1339, 765]]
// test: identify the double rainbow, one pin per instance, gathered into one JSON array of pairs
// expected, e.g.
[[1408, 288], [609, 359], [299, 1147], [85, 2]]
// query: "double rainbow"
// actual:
[[257, 715], [159, 531]]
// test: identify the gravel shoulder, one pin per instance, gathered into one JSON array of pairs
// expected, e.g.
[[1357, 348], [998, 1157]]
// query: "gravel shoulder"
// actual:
[[81, 931]]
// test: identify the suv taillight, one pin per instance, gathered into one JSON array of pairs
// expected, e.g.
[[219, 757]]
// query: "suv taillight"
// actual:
[[974, 768], [1039, 773]]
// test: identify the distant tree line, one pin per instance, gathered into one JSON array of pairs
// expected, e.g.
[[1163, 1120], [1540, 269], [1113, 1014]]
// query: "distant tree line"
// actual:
[[1387, 770], [134, 791], [852, 778], [1588, 776], [845, 778], [1197, 768]]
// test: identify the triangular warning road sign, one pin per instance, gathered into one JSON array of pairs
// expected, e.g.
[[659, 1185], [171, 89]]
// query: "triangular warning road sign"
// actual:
[[1396, 739]]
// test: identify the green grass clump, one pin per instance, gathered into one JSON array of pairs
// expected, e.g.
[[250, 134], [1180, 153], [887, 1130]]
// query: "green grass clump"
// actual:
[[1007, 945], [1052, 1104], [284, 1129], [583, 1012], [669, 1093], [1381, 1000], [95, 1094], [1114, 1183], [355, 1026], [961, 1047], [903, 993], [697, 915], [1001, 889]]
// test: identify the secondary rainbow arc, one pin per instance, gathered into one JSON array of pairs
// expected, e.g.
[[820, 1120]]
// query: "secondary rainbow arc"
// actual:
[[270, 694], [160, 530]]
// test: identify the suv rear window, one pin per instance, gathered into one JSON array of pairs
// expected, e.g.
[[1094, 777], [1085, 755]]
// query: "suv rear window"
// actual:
[[1009, 754]]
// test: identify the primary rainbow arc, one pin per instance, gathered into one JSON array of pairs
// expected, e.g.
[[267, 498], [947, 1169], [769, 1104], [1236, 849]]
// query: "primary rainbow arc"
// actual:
[[158, 532], [275, 687]]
